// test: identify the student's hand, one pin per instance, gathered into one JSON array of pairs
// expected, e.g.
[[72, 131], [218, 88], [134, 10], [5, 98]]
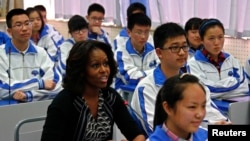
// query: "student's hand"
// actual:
[[97, 30], [222, 122], [139, 138], [19, 96], [49, 84]]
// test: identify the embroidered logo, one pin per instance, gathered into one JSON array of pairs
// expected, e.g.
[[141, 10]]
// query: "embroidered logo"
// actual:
[[34, 72]]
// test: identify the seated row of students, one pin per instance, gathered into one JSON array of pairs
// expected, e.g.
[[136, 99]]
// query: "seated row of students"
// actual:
[[41, 34], [44, 81], [172, 49]]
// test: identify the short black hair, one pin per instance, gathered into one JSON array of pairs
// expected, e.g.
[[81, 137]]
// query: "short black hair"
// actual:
[[14, 12], [77, 22], [165, 31], [135, 6], [138, 19], [96, 7]]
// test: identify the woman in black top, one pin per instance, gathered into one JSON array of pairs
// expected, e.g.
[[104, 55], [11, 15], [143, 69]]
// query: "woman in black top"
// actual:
[[88, 107]]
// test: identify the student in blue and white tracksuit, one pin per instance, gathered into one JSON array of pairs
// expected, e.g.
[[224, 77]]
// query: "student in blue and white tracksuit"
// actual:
[[137, 58], [144, 97], [26, 71], [172, 49], [122, 37], [95, 18], [179, 110], [219, 71], [78, 29], [41, 36]]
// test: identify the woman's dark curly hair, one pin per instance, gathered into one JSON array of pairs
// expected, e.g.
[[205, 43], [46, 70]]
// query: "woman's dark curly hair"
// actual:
[[77, 61]]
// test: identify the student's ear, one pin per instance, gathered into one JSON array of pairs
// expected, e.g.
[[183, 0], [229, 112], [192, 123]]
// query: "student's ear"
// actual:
[[87, 17], [9, 31], [167, 109], [129, 32], [158, 52]]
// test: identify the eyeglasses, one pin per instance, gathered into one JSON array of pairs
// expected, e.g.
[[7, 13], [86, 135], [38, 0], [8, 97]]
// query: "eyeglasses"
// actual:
[[140, 33], [176, 49], [82, 31], [95, 19], [19, 26]]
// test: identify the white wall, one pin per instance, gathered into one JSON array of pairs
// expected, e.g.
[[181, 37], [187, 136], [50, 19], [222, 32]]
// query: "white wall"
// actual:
[[49, 4]]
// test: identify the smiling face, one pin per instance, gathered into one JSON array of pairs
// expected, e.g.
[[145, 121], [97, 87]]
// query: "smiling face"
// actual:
[[213, 40], [98, 70], [188, 113]]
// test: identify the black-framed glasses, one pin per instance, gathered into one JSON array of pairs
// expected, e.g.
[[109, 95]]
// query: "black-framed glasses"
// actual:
[[81, 31], [20, 25], [95, 19], [176, 49]]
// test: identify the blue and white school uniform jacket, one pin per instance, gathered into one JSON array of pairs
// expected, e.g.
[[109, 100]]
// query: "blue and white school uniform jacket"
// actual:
[[160, 135], [123, 37], [104, 37], [50, 41], [65, 48], [132, 66], [229, 82], [144, 98], [28, 71], [3, 38]]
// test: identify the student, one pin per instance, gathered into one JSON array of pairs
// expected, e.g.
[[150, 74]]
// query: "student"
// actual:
[[193, 37], [3, 37], [43, 12], [95, 18], [123, 36], [87, 107], [179, 110], [51, 28], [40, 35], [172, 49], [137, 58], [78, 29], [26, 71], [219, 71]]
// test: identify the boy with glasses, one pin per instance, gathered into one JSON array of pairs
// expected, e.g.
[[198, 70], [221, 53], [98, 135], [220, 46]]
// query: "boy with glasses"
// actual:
[[78, 29], [26, 71], [123, 36], [172, 49], [95, 18], [136, 58]]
